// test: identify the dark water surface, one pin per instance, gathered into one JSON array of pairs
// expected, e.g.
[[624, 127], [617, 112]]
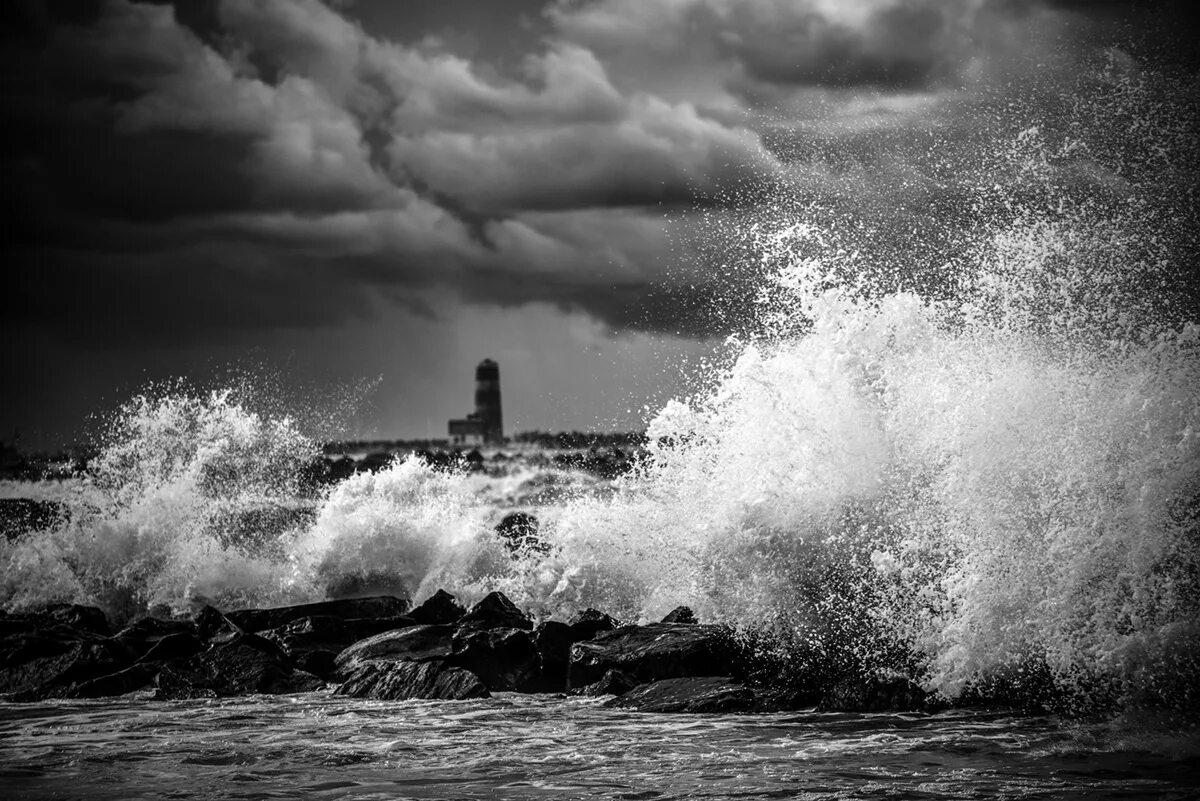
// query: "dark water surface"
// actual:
[[318, 746]]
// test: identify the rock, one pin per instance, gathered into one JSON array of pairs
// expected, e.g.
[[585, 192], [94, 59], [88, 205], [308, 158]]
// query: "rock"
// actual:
[[47, 665], [680, 614], [143, 635], [688, 694], [653, 652], [254, 620], [322, 664], [439, 608], [173, 647], [243, 665], [322, 633], [397, 681], [413, 644], [881, 691], [495, 611], [553, 642], [214, 627], [614, 682], [519, 530], [124, 681], [587, 624], [504, 659]]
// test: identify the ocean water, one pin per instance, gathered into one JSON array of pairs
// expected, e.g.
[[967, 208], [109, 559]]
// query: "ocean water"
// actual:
[[543, 747], [971, 451]]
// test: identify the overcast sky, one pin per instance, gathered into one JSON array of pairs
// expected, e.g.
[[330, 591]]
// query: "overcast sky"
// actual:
[[353, 191]]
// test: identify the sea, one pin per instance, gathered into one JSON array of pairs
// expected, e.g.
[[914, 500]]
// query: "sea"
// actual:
[[971, 447]]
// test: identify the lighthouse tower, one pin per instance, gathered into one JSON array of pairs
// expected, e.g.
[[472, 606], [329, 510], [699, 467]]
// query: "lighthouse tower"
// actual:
[[487, 400], [485, 425]]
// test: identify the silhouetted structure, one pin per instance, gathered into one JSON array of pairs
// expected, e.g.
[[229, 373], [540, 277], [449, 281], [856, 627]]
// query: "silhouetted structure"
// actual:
[[485, 424]]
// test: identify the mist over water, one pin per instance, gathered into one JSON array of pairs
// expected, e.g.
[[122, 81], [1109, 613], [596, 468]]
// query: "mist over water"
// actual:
[[978, 463]]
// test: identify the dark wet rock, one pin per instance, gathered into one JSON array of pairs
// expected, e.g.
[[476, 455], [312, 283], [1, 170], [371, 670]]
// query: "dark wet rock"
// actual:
[[129, 680], [396, 681], [214, 627], [413, 644], [653, 652], [495, 611], [689, 694], [75, 617], [144, 634], [47, 664], [680, 614], [322, 664], [241, 666], [880, 691], [439, 608], [20, 516], [183, 645], [519, 530], [553, 642], [254, 620], [504, 659], [614, 682], [587, 624], [322, 633]]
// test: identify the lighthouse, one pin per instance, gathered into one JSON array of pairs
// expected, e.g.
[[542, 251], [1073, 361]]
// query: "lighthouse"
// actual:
[[485, 425]]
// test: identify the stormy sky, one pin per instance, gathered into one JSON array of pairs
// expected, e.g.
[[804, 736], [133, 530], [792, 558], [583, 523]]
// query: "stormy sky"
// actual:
[[366, 197]]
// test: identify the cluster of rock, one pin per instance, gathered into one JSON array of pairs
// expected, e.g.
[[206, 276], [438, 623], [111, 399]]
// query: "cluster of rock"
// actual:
[[380, 648]]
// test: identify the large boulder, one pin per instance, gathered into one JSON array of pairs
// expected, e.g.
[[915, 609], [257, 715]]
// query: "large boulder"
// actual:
[[689, 694], [440, 608], [587, 624], [653, 652], [124, 681], [243, 665], [505, 659], [44, 653], [495, 611], [395, 681], [413, 644], [47, 666], [553, 642], [144, 635], [879, 691], [254, 620], [314, 642]]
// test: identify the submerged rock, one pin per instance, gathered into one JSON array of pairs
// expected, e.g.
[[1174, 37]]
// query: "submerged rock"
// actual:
[[439, 608], [254, 620], [396, 681], [495, 611], [689, 694], [880, 691], [519, 530], [653, 652]]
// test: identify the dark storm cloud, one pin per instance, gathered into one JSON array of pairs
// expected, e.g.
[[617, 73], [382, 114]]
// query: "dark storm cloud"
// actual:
[[177, 170]]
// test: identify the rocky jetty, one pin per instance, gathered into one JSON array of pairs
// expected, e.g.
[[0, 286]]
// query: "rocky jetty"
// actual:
[[380, 648]]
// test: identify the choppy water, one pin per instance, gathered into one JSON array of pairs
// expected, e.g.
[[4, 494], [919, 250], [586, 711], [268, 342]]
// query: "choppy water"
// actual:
[[539, 747]]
